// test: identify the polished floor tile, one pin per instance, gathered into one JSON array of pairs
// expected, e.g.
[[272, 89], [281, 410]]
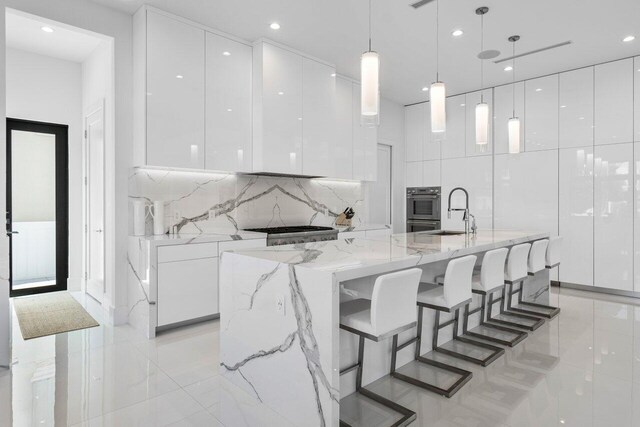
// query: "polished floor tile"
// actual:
[[580, 369]]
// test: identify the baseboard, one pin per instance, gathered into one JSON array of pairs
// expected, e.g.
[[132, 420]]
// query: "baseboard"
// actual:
[[596, 289]]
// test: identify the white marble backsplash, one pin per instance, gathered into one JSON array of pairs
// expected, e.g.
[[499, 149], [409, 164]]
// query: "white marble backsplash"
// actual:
[[208, 202]]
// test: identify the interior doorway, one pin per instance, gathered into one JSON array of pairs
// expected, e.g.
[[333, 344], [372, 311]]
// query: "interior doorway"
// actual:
[[380, 190], [37, 206]]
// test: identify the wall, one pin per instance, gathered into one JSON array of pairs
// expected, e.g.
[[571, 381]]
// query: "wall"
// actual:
[[102, 20], [577, 173], [201, 201], [49, 90]]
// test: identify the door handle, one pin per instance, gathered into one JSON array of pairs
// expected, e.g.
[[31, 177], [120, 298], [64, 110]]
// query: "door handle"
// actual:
[[9, 233]]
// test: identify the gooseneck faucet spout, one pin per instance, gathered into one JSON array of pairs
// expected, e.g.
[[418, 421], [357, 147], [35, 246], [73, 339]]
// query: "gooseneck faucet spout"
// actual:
[[466, 215]]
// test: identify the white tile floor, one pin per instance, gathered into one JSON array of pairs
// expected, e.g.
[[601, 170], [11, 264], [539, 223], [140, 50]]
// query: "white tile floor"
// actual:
[[580, 369]]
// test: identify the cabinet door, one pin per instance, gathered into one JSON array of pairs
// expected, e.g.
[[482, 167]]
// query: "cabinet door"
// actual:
[[318, 119], [431, 173], [613, 216], [452, 142], [180, 299], [414, 131], [365, 144], [281, 105], [175, 93], [431, 148], [576, 108], [413, 175], [636, 102], [541, 119], [472, 99], [575, 214], [228, 105], [344, 129], [614, 102], [503, 110]]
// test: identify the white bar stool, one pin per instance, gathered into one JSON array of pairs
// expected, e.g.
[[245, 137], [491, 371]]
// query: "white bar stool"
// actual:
[[543, 255], [515, 272], [489, 280], [442, 298], [390, 310]]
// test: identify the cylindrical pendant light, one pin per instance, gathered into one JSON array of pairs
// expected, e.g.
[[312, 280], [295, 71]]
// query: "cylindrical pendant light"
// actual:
[[514, 122], [482, 108], [438, 90], [370, 81]]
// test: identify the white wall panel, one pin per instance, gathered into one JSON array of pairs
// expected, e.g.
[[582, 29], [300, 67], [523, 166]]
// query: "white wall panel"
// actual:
[[414, 174], [576, 214], [431, 173], [452, 141], [503, 111], [636, 97], [614, 102], [475, 175], [636, 217], [613, 216], [576, 108], [541, 117], [526, 191], [414, 131]]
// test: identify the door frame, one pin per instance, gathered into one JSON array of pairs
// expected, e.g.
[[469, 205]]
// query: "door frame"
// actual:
[[86, 169], [61, 133]]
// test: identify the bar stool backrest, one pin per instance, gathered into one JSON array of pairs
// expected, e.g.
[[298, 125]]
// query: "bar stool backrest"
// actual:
[[492, 271], [457, 280], [517, 262], [393, 303], [553, 250], [537, 255]]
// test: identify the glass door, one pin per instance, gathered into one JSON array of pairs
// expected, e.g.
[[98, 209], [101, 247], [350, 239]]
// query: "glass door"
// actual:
[[37, 206]]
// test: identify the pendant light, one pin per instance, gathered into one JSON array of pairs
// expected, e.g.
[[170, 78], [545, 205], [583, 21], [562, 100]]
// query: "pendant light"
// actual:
[[514, 121], [370, 80], [482, 108], [438, 90]]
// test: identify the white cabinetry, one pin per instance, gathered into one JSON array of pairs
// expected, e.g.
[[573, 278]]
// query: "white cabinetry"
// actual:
[[175, 87], [541, 119], [413, 174], [277, 110], [613, 216], [503, 111], [452, 142], [472, 99], [319, 145], [344, 129], [576, 108], [614, 102], [228, 104], [475, 175], [431, 173], [365, 144], [575, 214], [636, 102], [415, 123]]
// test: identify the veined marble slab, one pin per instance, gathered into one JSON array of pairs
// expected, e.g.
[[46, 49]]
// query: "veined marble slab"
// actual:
[[280, 308]]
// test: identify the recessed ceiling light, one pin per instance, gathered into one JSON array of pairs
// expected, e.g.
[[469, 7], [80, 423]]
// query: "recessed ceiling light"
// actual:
[[426, 88], [629, 39], [563, 106], [225, 53], [508, 68], [333, 74], [462, 105], [274, 26], [457, 33], [179, 76], [280, 93], [539, 90], [47, 29], [229, 110]]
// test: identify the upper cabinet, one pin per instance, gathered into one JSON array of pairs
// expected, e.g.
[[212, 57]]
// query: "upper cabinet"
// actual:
[[319, 145], [452, 142], [175, 93], [415, 129], [277, 110], [504, 109], [636, 86], [344, 129], [614, 102], [541, 119], [365, 144], [228, 105], [576, 108]]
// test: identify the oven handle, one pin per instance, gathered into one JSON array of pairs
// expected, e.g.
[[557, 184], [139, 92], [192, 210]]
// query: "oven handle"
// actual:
[[422, 197], [419, 221]]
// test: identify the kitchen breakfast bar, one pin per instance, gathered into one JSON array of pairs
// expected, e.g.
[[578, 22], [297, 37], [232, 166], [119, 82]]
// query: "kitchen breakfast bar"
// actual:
[[280, 335]]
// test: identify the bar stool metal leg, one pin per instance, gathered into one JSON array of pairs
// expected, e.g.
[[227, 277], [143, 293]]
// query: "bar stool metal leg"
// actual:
[[465, 375], [536, 321], [518, 336]]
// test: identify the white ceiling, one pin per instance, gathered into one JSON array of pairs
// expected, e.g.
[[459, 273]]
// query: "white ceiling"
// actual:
[[24, 32], [336, 31]]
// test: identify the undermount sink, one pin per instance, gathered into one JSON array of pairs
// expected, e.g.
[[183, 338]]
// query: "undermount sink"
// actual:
[[446, 233]]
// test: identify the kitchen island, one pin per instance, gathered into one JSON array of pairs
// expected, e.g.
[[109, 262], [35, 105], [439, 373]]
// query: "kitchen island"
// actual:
[[280, 306]]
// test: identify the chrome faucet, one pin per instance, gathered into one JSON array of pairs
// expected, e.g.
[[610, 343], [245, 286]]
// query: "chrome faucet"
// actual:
[[467, 216]]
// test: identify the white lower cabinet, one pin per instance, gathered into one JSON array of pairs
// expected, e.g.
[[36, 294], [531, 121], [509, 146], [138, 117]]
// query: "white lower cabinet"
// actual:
[[575, 215], [613, 216], [187, 290]]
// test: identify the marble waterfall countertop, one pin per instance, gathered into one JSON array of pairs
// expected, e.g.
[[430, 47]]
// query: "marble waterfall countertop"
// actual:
[[359, 257]]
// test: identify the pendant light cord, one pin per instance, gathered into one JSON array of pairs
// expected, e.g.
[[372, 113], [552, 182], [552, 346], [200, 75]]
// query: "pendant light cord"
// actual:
[[369, 25], [437, 40], [481, 60], [514, 78]]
